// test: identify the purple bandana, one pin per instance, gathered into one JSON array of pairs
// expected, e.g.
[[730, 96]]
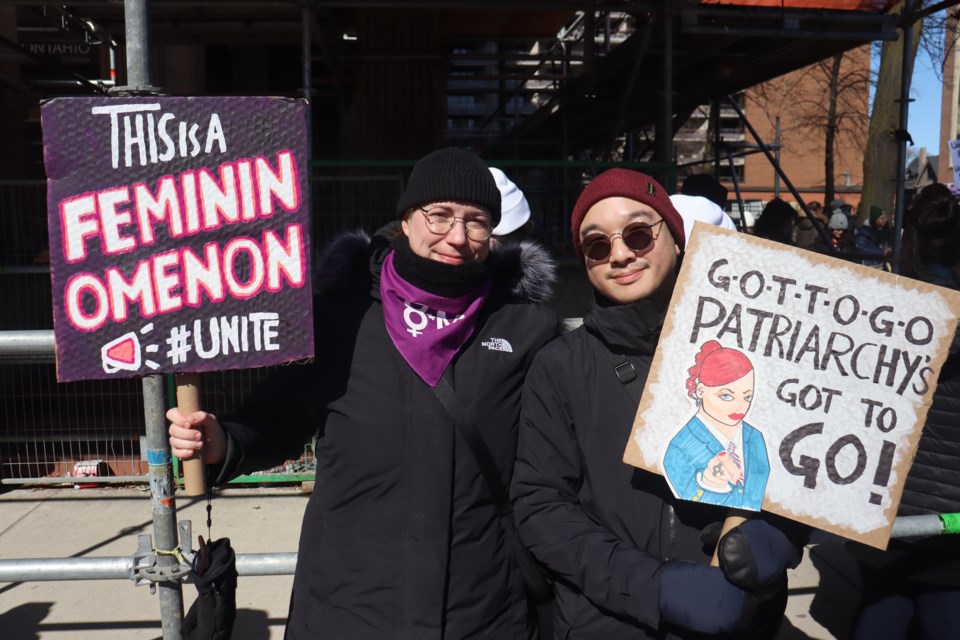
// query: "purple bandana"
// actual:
[[428, 330]]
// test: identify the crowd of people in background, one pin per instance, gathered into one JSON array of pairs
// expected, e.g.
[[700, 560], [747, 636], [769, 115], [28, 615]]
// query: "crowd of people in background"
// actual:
[[863, 234], [835, 232]]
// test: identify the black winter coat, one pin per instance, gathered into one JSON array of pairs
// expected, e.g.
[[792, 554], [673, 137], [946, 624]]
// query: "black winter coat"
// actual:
[[400, 538], [602, 527], [933, 484], [932, 487]]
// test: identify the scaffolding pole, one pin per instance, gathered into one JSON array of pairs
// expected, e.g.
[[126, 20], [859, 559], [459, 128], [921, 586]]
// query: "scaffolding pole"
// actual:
[[821, 231], [136, 19], [906, 72]]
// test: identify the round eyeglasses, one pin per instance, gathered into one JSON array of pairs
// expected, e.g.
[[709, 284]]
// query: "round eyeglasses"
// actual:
[[638, 236], [441, 221]]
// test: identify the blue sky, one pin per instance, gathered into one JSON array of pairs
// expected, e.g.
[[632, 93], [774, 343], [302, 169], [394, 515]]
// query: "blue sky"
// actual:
[[926, 90], [924, 113]]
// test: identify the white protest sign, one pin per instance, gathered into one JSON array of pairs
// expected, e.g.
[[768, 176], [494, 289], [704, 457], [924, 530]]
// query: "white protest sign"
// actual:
[[792, 382], [955, 161]]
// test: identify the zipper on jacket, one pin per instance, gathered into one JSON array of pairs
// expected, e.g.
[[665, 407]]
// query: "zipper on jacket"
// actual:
[[671, 546]]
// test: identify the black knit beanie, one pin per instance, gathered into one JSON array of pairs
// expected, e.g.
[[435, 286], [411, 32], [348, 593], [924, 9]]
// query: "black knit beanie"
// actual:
[[451, 174]]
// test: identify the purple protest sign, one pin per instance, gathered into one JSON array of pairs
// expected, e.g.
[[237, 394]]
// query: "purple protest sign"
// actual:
[[179, 234]]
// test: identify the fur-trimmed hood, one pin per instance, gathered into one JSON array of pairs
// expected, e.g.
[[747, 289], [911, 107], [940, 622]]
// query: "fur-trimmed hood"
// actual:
[[524, 271]]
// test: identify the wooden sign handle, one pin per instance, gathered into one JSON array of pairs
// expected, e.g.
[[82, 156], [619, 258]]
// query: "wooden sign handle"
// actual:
[[728, 524], [188, 401]]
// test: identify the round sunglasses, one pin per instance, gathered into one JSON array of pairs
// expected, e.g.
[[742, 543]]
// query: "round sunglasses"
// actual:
[[638, 236]]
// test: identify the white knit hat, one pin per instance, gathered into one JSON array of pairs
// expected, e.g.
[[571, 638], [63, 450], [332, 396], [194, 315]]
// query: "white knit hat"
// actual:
[[693, 208], [514, 210]]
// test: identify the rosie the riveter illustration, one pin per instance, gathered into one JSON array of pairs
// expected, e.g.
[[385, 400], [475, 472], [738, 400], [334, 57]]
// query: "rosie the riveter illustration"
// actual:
[[717, 458]]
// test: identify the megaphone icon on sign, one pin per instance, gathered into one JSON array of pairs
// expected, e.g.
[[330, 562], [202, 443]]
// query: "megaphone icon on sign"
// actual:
[[122, 354]]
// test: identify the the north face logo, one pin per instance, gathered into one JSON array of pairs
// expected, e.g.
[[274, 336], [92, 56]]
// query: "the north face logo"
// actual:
[[498, 344]]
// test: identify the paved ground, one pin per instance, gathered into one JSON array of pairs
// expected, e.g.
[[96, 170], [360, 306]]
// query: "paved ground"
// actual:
[[65, 523]]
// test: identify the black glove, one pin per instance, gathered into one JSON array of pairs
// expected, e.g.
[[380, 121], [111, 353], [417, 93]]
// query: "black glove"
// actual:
[[710, 536], [755, 555], [213, 613], [700, 598]]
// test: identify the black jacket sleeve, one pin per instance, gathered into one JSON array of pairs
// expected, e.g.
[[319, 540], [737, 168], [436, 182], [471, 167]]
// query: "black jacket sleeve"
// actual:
[[611, 572], [278, 418], [289, 406]]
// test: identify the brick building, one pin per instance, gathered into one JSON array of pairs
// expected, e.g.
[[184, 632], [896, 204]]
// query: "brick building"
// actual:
[[790, 114], [801, 100]]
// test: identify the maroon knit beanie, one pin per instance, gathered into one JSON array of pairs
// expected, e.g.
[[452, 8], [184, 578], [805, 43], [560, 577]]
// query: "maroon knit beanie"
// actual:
[[626, 184]]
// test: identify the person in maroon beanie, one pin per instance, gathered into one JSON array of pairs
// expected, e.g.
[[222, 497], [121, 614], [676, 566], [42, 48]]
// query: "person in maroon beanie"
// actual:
[[629, 560]]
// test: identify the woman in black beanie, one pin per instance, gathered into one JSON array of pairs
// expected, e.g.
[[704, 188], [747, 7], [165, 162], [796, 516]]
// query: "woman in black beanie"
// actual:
[[401, 538]]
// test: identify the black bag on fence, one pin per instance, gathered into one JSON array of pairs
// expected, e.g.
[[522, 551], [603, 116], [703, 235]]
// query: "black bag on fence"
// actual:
[[212, 614]]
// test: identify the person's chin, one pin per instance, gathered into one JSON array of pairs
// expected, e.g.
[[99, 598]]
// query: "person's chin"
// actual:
[[626, 294]]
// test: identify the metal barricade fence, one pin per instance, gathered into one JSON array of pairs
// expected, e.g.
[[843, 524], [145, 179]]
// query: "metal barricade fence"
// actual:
[[92, 431], [53, 432], [139, 567]]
